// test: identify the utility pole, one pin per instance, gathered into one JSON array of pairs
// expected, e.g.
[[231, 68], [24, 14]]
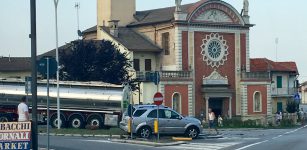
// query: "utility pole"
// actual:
[[77, 6], [33, 74], [276, 43], [57, 60]]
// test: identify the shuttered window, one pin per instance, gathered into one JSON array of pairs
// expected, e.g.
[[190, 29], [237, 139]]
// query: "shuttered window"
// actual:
[[279, 81], [147, 64], [136, 64], [165, 43]]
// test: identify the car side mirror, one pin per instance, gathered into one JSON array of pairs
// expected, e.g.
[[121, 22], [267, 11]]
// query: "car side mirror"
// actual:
[[180, 117]]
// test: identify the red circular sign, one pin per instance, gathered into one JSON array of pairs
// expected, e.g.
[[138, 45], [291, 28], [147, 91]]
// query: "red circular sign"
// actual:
[[158, 98]]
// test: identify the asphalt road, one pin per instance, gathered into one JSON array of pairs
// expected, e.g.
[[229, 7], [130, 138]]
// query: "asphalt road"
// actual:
[[82, 143], [294, 139], [233, 139]]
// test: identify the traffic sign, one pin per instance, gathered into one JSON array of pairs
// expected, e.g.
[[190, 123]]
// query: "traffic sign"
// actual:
[[158, 98], [297, 97], [42, 66], [28, 81]]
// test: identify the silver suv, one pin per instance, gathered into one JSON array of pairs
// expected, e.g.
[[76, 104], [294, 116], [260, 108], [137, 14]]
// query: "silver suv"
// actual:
[[170, 122]]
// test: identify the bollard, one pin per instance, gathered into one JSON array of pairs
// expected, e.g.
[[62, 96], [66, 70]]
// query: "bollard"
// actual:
[[156, 126]]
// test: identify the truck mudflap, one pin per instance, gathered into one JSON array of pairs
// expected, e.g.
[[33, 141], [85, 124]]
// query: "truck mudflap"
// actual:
[[111, 120]]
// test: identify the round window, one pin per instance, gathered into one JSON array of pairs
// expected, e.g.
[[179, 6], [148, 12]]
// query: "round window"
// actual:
[[214, 50]]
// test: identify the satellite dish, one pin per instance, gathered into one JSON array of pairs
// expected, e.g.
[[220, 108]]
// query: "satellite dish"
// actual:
[[79, 33]]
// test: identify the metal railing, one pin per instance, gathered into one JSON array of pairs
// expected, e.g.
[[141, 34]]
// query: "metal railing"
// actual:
[[175, 74], [145, 75], [283, 91]]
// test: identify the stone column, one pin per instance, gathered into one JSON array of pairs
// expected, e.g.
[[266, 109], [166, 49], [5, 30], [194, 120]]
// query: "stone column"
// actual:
[[207, 108], [230, 110]]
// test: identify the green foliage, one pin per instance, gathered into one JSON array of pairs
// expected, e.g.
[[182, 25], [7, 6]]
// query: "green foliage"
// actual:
[[94, 61], [292, 106], [286, 123], [238, 123]]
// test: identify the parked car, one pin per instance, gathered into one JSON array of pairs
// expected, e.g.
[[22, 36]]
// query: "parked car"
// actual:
[[170, 122]]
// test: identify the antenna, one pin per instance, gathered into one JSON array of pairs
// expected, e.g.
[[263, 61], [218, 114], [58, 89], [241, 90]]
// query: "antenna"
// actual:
[[276, 43], [77, 6]]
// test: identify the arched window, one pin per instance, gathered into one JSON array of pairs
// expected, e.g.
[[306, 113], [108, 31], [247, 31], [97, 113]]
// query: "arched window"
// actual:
[[257, 102], [177, 102]]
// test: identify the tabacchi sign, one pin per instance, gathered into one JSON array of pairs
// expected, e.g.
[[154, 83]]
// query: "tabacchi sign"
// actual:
[[15, 135]]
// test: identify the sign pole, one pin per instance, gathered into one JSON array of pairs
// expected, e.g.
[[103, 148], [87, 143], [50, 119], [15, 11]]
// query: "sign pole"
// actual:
[[158, 137], [48, 143], [158, 100], [34, 74], [131, 110]]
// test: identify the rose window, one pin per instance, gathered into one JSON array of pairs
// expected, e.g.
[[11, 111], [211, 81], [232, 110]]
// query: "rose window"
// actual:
[[214, 50]]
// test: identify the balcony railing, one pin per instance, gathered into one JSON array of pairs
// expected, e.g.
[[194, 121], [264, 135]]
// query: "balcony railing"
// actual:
[[255, 76], [176, 74], [283, 91], [145, 75]]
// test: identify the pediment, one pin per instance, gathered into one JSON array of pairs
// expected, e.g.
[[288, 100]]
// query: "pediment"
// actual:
[[215, 78], [216, 12], [213, 15]]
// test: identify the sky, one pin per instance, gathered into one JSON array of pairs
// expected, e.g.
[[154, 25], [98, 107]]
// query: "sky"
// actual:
[[282, 19]]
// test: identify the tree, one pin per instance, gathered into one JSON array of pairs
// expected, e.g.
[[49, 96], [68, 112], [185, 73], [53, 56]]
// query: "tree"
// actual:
[[88, 60], [292, 106]]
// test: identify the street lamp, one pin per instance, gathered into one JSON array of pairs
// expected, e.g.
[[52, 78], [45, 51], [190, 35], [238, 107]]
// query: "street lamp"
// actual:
[[57, 60]]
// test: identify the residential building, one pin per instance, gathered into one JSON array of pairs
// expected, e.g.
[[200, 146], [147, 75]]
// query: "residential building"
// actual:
[[15, 67], [284, 82], [303, 92]]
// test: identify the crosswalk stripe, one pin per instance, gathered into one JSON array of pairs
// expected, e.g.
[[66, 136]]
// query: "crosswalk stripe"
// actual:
[[203, 146]]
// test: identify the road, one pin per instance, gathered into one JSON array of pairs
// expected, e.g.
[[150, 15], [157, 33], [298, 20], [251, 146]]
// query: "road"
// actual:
[[242, 139], [294, 139]]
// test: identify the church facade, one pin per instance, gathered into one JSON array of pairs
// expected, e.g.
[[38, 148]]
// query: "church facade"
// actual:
[[201, 51]]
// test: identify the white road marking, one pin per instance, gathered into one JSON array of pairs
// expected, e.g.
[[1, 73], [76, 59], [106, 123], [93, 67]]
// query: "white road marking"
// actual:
[[247, 146], [203, 146], [272, 138], [99, 141], [277, 137]]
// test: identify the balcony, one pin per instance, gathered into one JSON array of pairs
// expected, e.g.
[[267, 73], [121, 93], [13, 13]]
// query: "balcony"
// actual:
[[255, 76], [175, 74], [283, 91], [146, 75]]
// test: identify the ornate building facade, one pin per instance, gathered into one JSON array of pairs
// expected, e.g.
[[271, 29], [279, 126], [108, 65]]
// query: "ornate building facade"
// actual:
[[201, 51]]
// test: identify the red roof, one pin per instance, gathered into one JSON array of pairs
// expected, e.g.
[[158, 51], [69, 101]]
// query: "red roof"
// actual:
[[265, 65]]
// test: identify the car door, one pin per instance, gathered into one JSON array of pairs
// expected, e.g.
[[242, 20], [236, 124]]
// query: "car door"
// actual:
[[153, 115], [173, 122]]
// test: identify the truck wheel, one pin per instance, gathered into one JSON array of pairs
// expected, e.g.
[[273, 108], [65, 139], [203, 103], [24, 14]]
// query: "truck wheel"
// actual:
[[4, 119], [76, 121], [54, 121], [95, 120]]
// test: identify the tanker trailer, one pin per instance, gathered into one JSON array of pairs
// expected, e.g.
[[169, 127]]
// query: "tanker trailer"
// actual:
[[81, 103]]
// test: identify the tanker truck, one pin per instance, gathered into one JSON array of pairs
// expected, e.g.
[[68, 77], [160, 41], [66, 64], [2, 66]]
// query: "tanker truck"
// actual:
[[81, 103]]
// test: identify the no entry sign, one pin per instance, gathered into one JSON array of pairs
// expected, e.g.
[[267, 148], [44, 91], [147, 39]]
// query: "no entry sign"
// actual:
[[158, 98]]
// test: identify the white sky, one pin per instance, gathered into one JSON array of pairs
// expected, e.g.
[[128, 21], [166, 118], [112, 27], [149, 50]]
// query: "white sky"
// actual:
[[282, 19]]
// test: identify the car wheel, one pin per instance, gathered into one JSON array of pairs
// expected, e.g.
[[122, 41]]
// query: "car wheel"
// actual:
[[192, 132], [144, 132]]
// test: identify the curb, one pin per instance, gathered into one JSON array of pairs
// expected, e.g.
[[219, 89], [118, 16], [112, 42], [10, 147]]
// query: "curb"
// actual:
[[148, 143], [80, 135]]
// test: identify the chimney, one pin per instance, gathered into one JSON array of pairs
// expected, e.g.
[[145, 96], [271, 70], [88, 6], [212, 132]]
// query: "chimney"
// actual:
[[114, 27]]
